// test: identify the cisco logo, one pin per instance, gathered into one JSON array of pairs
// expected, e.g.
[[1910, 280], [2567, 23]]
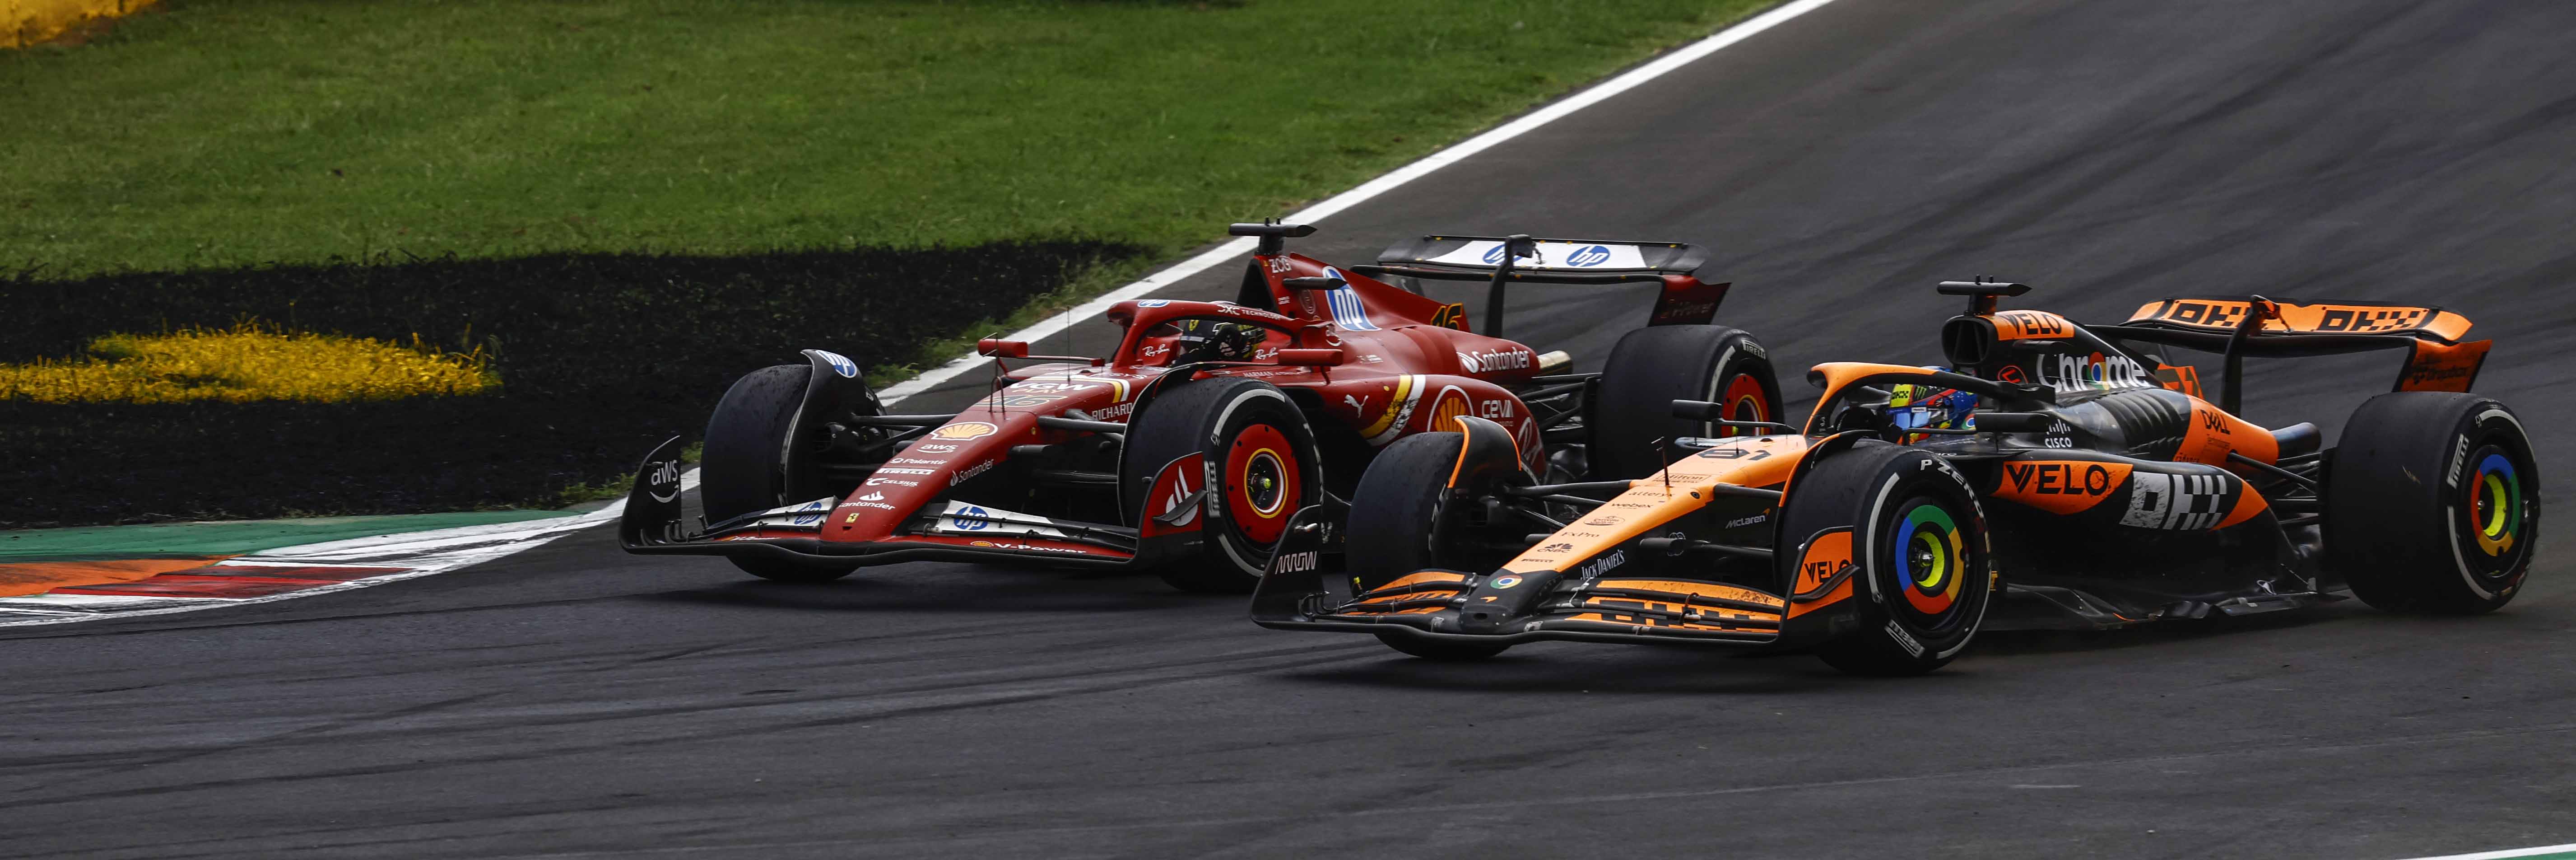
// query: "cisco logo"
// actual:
[[1588, 255]]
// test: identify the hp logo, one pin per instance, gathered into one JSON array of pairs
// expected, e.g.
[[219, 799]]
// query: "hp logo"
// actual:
[[1588, 255]]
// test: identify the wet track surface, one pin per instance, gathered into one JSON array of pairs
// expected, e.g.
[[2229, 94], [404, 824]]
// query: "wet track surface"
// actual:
[[575, 700]]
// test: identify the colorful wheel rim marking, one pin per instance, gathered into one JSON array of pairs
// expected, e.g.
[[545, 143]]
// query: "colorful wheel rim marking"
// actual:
[[1934, 559], [1261, 482], [1744, 402], [2495, 505]]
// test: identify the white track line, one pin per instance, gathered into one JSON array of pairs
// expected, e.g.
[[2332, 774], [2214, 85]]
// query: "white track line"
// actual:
[[1659, 67], [2515, 852], [409, 555], [447, 549]]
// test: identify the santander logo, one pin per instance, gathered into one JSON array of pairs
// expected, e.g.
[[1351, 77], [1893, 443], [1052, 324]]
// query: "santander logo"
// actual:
[[1495, 360]]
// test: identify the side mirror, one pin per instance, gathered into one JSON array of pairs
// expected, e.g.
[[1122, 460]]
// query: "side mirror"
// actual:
[[998, 348], [1703, 410], [1311, 357], [1698, 410], [1313, 283]]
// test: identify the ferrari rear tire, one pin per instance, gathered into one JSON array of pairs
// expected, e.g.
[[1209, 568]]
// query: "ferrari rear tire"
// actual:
[[1446, 652], [1652, 367], [1921, 574], [1261, 469], [2432, 503], [740, 470]]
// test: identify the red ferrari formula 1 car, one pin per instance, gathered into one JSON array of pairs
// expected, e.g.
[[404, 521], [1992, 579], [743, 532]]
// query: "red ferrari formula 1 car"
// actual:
[[1189, 448], [2061, 475]]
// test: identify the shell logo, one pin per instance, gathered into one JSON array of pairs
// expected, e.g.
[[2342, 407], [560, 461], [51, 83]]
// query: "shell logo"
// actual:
[[1445, 411], [964, 430]]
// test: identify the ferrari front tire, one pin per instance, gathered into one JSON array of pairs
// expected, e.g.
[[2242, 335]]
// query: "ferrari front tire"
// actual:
[[1921, 576], [740, 470], [2432, 503]]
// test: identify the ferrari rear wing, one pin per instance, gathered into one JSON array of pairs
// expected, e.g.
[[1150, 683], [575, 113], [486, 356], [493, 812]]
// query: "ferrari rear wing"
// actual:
[[2239, 326], [1524, 259]]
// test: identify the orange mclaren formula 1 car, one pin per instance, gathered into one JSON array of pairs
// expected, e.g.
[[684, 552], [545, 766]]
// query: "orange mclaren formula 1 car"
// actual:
[[1186, 450], [2062, 476]]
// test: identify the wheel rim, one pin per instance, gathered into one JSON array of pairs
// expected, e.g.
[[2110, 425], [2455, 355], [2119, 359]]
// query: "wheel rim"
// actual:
[[1932, 563], [2497, 513], [1262, 481], [1744, 401]]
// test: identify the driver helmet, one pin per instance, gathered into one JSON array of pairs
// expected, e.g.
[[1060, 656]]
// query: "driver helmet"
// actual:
[[1915, 405], [1216, 340]]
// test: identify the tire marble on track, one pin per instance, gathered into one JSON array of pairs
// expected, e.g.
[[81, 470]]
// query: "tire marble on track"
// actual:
[[574, 701]]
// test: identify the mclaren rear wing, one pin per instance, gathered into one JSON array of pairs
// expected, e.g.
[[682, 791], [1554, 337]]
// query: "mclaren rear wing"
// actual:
[[1499, 260], [2239, 326]]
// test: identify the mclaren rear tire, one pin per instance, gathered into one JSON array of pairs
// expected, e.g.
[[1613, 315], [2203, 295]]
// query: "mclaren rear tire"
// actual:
[[1921, 576], [1261, 469], [2432, 503], [741, 469], [1652, 367]]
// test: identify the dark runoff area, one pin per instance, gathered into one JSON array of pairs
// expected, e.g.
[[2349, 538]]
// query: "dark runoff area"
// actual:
[[600, 356]]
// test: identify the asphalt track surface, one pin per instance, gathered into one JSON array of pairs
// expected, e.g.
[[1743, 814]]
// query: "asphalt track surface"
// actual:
[[574, 700]]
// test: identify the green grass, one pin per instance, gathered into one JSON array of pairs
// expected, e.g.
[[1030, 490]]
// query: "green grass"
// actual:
[[212, 133]]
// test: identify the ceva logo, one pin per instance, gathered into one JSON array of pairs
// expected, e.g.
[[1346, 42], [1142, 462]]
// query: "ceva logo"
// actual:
[[1588, 255]]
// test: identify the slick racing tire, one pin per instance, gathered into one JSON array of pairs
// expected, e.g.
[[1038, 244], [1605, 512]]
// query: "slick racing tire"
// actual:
[[740, 470], [1403, 519], [2432, 503], [1403, 515], [1922, 577], [1261, 469], [1652, 367]]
